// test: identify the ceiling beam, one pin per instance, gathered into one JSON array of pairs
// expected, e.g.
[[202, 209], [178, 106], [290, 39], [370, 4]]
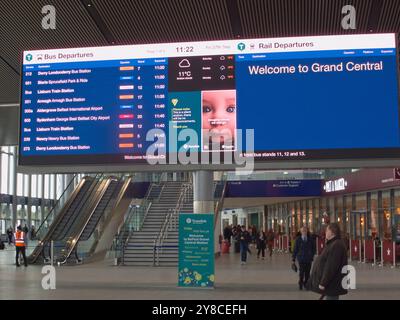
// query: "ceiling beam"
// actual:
[[234, 17], [99, 22], [9, 64], [374, 15]]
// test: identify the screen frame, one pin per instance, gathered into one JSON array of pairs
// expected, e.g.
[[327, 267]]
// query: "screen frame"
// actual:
[[259, 164]]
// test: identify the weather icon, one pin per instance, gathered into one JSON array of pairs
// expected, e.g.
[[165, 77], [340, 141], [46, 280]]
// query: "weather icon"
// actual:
[[184, 63]]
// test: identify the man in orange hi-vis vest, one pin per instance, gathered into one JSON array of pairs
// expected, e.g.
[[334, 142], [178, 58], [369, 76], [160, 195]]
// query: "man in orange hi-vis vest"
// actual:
[[20, 246]]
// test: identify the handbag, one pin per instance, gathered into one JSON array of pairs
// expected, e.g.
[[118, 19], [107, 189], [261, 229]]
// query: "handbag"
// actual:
[[294, 267]]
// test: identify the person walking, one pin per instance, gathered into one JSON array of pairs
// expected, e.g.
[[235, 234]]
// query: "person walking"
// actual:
[[261, 244], [20, 246], [270, 241], [10, 233], [33, 232], [304, 251], [244, 240], [228, 234], [326, 277]]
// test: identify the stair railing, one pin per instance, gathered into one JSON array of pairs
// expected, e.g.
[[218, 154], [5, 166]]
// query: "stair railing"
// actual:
[[138, 214], [170, 222]]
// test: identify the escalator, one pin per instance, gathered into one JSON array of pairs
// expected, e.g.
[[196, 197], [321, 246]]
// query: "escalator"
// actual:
[[60, 219], [86, 231]]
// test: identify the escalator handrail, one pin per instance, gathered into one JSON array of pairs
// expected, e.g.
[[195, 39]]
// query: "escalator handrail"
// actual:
[[58, 200], [93, 188], [77, 225], [34, 255], [121, 195], [89, 217], [113, 196]]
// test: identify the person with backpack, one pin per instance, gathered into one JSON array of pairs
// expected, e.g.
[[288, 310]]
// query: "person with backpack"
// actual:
[[326, 277], [304, 251]]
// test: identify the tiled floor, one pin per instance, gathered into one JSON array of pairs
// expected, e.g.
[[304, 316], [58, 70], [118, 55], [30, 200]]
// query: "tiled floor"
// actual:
[[268, 279]]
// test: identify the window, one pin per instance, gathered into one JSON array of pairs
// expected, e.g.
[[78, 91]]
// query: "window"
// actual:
[[20, 183], [46, 186], [386, 217], [34, 186], [52, 186], [40, 186], [11, 170], [4, 172], [26, 185]]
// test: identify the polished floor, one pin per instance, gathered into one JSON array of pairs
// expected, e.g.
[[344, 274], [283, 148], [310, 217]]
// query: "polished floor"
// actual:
[[258, 279]]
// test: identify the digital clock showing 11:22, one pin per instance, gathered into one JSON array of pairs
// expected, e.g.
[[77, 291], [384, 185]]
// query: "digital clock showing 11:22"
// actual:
[[184, 49]]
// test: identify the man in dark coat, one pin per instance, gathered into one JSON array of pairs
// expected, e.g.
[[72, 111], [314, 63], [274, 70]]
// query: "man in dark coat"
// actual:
[[326, 276], [228, 234], [333, 259], [244, 239], [304, 251]]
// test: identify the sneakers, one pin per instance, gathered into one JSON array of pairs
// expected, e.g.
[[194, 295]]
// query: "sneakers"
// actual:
[[243, 262]]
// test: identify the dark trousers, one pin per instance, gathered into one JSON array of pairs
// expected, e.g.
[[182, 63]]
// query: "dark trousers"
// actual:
[[244, 247], [22, 251], [9, 239], [304, 272], [262, 250], [270, 249]]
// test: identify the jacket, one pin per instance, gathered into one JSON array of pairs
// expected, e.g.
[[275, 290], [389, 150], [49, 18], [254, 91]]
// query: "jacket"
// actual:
[[304, 251], [244, 237], [327, 269], [261, 242], [20, 239]]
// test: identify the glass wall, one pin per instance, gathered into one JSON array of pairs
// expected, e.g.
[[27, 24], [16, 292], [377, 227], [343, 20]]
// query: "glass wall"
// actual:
[[23, 188], [386, 215], [361, 216]]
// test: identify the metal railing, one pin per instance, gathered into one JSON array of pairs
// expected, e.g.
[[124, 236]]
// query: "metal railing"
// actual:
[[90, 201], [136, 217], [170, 222], [59, 205]]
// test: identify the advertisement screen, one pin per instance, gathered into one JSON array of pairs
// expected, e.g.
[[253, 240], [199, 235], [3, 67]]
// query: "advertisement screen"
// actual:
[[308, 98]]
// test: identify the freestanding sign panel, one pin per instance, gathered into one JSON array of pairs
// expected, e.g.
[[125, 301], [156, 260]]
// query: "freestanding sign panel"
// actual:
[[196, 250]]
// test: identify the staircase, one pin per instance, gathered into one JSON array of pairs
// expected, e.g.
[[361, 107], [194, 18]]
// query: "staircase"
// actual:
[[168, 254], [139, 248]]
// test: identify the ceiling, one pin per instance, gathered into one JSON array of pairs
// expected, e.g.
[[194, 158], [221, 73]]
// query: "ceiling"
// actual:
[[82, 23]]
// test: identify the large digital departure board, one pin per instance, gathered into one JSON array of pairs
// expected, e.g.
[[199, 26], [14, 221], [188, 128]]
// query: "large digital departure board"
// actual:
[[308, 98]]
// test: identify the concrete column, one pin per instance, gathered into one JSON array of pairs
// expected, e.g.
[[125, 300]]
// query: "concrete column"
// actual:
[[203, 198], [42, 214], [29, 204], [203, 201], [13, 170]]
